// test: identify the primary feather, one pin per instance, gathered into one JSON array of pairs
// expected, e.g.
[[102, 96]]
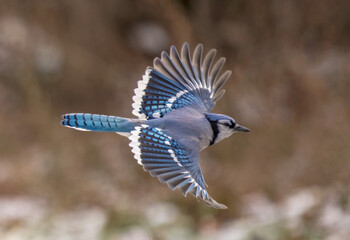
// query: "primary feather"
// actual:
[[174, 82]]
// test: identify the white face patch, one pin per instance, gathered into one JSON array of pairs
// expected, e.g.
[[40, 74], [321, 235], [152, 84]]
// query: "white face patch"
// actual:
[[224, 132]]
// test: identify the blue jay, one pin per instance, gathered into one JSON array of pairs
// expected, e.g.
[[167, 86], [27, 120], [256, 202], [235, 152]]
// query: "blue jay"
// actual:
[[173, 103]]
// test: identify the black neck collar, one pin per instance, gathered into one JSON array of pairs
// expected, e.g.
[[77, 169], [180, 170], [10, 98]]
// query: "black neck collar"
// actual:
[[214, 127]]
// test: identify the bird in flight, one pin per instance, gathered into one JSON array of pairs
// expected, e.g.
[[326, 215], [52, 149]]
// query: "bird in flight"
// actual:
[[172, 104]]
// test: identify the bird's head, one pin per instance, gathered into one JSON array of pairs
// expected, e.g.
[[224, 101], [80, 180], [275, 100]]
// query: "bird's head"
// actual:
[[223, 126]]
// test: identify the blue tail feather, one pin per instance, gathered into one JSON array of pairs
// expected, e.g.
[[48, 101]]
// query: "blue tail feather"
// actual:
[[97, 122]]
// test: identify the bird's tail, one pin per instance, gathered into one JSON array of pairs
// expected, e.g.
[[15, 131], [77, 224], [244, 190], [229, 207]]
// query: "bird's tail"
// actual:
[[96, 122]]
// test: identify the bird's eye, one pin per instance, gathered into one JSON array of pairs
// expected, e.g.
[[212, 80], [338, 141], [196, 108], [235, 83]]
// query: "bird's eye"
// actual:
[[233, 124], [228, 124]]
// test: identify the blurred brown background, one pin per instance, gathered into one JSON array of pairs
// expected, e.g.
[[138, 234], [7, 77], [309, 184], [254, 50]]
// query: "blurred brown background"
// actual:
[[287, 179]]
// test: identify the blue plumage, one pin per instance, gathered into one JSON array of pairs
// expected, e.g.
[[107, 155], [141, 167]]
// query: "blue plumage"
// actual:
[[159, 95], [172, 103], [163, 157], [97, 122]]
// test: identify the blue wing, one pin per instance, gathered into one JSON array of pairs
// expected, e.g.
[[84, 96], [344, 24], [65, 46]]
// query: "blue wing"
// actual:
[[162, 157], [176, 82]]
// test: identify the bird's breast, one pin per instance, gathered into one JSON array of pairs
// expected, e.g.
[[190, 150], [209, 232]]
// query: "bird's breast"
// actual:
[[191, 130]]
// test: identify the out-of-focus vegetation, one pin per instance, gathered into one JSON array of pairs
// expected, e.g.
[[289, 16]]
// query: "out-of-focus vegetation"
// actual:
[[287, 179]]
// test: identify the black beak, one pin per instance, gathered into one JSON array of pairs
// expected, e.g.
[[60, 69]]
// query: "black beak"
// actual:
[[239, 128]]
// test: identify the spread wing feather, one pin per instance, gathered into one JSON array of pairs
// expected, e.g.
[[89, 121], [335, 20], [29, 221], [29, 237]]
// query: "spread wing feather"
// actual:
[[163, 157], [177, 81]]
